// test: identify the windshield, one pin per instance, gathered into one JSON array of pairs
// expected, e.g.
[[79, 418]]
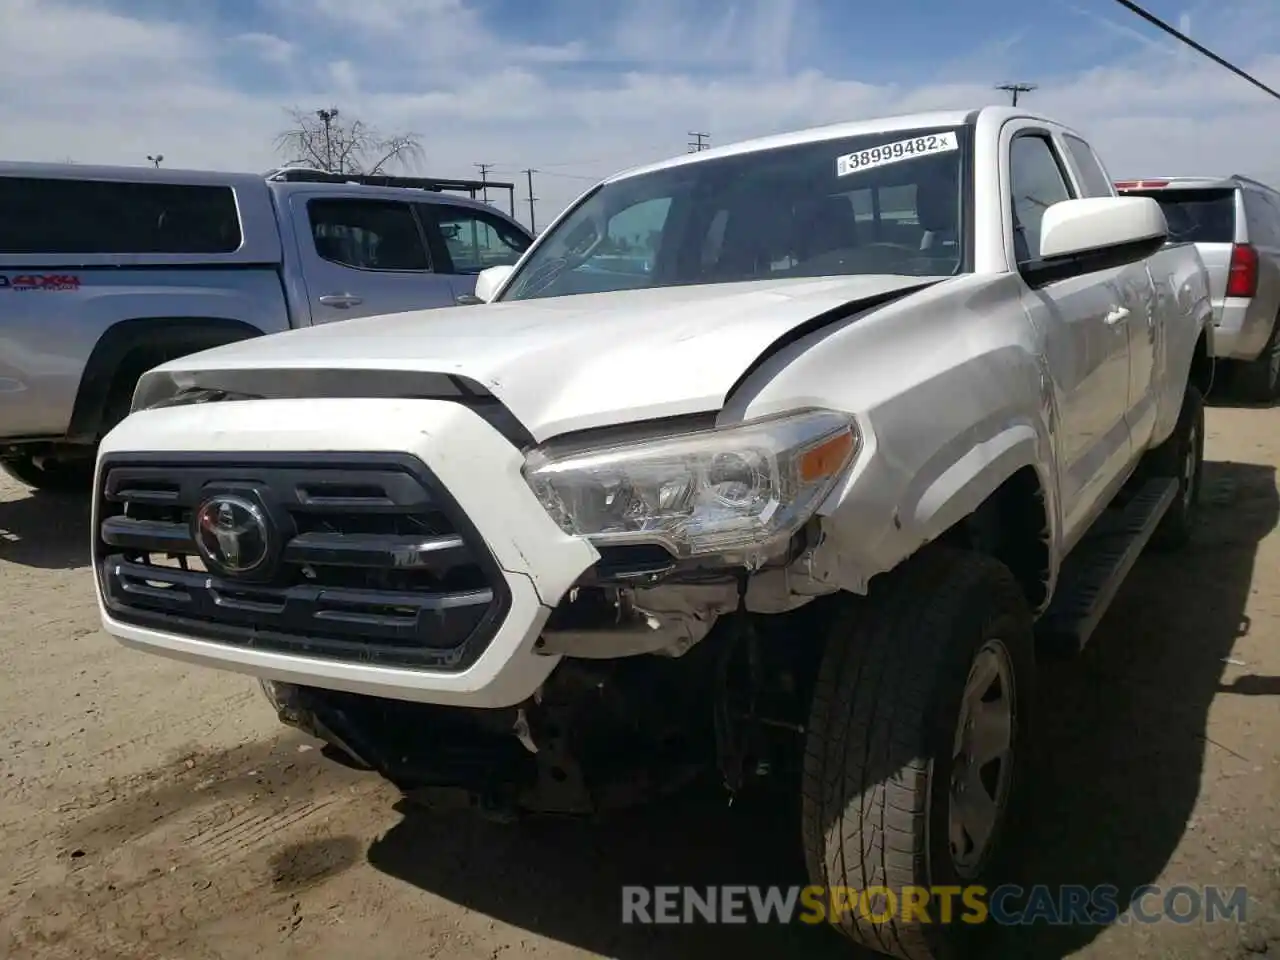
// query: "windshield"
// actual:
[[887, 203]]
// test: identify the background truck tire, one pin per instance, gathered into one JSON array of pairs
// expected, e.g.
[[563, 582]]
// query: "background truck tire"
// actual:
[[1258, 380], [1180, 456], [54, 475], [878, 766]]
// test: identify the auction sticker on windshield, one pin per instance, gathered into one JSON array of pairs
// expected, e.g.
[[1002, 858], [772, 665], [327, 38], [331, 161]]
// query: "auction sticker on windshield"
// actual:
[[896, 152]]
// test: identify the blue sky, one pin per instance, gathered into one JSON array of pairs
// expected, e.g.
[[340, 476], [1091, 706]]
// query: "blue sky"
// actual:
[[578, 89]]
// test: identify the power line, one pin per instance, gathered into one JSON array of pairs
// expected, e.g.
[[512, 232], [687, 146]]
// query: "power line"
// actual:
[[1179, 35], [696, 145], [1016, 88], [532, 226]]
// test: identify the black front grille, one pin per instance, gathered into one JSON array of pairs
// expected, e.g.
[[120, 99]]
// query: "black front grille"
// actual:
[[373, 561]]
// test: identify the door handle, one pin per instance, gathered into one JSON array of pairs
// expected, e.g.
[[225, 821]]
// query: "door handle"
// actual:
[[1117, 315], [467, 299], [342, 300]]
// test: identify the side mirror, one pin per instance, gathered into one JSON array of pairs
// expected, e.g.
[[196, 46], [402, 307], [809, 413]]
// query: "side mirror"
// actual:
[[491, 278], [1103, 232]]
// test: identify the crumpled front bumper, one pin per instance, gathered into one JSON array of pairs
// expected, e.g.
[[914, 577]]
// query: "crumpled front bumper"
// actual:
[[478, 467]]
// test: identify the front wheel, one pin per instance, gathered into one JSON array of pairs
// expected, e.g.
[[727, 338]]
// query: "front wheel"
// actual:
[[917, 733]]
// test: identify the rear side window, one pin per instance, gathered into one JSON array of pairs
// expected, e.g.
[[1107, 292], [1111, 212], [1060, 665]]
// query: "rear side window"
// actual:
[[367, 234], [1196, 216], [52, 215], [1263, 217]]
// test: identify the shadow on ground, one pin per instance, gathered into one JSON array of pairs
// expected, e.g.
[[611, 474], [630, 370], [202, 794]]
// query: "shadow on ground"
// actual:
[[1223, 393], [45, 530], [1122, 739]]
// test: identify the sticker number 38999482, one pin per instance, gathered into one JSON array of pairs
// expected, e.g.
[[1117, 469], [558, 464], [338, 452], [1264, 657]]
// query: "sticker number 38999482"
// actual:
[[896, 152]]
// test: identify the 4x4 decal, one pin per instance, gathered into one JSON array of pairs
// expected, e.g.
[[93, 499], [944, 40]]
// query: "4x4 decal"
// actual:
[[41, 281]]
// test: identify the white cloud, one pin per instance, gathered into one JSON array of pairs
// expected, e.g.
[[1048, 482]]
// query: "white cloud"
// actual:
[[268, 46], [345, 77], [113, 87]]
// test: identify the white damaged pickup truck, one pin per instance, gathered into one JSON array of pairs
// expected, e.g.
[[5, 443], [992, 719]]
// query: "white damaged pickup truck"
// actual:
[[880, 413]]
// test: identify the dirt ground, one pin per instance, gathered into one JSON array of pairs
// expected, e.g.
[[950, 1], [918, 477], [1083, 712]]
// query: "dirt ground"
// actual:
[[150, 810]]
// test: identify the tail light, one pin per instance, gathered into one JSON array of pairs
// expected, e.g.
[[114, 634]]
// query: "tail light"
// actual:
[[1242, 277]]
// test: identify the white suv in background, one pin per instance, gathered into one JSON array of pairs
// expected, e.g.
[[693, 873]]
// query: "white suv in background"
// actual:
[[1235, 222]]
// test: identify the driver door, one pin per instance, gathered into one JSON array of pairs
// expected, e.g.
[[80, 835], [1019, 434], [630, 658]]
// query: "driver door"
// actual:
[[362, 256], [1086, 338]]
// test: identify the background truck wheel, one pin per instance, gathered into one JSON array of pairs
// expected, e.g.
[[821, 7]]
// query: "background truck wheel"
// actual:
[[1181, 456], [919, 713], [55, 475], [1258, 380]]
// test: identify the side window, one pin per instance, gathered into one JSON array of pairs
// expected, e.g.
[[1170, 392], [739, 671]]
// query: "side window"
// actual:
[[367, 234], [59, 216], [1093, 177], [1272, 202], [475, 240], [1263, 218], [1037, 183]]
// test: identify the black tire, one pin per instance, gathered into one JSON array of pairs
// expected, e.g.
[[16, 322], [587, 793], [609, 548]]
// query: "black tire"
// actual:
[[60, 476], [1258, 380], [1180, 457], [884, 716]]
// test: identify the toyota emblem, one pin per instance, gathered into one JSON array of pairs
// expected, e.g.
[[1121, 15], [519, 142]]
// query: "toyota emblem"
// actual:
[[232, 534]]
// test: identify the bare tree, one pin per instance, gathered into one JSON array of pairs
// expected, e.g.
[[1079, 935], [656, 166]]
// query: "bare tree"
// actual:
[[324, 139]]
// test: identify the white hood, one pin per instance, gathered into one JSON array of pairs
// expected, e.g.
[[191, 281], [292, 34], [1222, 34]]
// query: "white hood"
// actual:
[[566, 363]]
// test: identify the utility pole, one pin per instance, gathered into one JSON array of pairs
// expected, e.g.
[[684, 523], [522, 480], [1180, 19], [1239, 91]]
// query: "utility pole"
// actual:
[[327, 117], [697, 144], [156, 159], [484, 169], [532, 226], [1015, 89]]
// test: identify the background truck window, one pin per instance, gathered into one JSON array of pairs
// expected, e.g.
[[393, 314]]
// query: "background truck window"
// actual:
[[368, 234], [476, 241], [1196, 216], [54, 215], [1264, 224]]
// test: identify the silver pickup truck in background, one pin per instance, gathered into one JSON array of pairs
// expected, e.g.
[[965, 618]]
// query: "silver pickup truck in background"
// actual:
[[1235, 224], [106, 272]]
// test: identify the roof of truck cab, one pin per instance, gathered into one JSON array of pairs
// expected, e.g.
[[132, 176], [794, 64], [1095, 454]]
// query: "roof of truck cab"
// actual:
[[219, 178], [843, 129], [388, 193]]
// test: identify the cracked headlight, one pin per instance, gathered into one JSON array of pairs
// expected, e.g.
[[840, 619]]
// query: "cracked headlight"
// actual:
[[738, 492]]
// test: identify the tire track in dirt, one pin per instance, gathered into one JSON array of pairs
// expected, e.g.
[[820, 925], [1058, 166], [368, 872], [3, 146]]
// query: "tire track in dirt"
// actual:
[[169, 851]]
